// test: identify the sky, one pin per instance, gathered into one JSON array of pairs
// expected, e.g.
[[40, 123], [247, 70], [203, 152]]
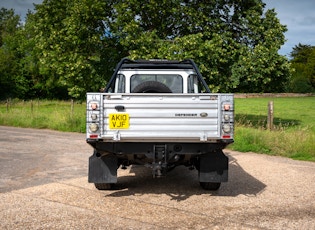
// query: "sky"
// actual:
[[298, 16]]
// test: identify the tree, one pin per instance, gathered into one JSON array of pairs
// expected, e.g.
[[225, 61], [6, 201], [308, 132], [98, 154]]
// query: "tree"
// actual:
[[303, 68], [20, 76], [9, 23], [71, 41], [12, 81], [234, 42]]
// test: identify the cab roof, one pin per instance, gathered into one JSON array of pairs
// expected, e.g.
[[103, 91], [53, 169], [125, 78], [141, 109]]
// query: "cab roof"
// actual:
[[156, 64]]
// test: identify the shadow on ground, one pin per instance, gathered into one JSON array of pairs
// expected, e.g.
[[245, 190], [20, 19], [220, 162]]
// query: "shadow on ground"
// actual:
[[260, 121], [181, 183]]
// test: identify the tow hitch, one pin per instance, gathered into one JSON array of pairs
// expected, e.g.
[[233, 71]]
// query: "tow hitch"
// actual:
[[159, 164]]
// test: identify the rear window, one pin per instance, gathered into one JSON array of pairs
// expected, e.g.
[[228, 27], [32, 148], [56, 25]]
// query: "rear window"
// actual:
[[173, 81]]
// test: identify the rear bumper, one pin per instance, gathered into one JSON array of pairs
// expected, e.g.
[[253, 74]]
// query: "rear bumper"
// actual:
[[122, 148]]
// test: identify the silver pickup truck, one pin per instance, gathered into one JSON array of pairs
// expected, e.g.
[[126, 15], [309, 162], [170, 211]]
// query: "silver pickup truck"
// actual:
[[160, 114]]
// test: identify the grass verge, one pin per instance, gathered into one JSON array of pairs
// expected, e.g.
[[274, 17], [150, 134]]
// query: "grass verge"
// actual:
[[293, 134]]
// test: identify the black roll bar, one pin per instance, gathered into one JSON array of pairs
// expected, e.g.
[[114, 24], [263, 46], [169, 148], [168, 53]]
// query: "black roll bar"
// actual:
[[127, 60], [198, 73], [118, 66]]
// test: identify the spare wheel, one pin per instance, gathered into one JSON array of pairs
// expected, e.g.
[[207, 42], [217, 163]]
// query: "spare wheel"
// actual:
[[151, 87]]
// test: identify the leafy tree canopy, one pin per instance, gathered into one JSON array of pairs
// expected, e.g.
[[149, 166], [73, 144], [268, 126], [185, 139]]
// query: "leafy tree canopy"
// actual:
[[234, 42], [73, 46], [69, 41], [9, 23], [11, 79], [303, 66]]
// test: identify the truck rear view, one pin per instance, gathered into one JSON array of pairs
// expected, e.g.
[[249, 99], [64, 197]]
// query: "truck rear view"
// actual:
[[159, 114]]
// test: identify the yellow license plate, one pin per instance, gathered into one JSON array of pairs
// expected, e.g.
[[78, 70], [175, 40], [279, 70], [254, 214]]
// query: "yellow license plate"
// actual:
[[118, 121]]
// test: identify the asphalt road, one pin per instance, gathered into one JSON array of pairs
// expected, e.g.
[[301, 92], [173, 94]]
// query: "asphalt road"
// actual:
[[43, 185]]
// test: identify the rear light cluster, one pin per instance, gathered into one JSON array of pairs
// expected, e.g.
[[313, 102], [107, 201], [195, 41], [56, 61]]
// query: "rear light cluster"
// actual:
[[93, 118], [227, 120]]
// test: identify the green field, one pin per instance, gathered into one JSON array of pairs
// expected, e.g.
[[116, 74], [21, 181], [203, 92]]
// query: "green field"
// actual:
[[294, 127], [42, 114], [293, 135]]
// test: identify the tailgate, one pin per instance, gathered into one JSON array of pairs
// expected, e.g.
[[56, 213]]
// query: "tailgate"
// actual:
[[161, 117]]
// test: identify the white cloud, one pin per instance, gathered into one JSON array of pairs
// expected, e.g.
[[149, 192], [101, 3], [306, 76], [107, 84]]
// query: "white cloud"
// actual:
[[299, 18], [20, 7]]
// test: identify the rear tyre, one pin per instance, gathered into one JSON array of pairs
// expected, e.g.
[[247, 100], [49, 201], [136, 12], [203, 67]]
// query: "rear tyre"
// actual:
[[103, 186], [210, 185]]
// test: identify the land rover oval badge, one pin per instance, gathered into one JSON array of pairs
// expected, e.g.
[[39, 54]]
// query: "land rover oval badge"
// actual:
[[203, 114]]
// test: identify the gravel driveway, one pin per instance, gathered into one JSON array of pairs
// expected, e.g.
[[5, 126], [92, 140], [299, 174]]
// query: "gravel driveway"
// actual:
[[43, 185]]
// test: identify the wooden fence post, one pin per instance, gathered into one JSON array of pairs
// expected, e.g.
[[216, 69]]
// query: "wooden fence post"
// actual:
[[7, 105], [270, 116], [32, 106], [72, 108]]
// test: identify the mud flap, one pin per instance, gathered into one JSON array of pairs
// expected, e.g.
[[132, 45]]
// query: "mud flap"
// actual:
[[102, 169], [214, 167]]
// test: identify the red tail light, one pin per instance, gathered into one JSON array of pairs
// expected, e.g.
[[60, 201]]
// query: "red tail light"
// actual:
[[93, 136]]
